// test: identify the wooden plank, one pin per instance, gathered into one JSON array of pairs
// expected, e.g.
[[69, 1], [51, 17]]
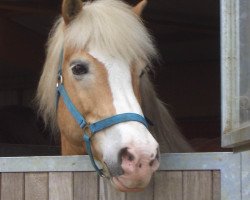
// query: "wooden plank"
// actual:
[[147, 194], [12, 186], [36, 186], [168, 185], [169, 161], [108, 192], [197, 185], [246, 174], [86, 185], [216, 185], [60, 186]]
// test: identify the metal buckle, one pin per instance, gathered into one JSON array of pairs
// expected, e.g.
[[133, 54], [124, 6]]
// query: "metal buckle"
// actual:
[[59, 80], [106, 170]]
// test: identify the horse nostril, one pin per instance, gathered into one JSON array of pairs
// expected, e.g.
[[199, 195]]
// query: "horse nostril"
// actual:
[[125, 154], [130, 156], [157, 157], [151, 163]]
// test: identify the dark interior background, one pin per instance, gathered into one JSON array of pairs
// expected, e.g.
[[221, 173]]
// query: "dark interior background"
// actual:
[[187, 34]]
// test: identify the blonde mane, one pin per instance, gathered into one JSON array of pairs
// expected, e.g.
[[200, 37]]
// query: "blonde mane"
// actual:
[[106, 25]]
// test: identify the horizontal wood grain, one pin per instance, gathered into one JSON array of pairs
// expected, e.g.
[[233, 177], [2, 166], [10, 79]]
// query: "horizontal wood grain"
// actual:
[[165, 185]]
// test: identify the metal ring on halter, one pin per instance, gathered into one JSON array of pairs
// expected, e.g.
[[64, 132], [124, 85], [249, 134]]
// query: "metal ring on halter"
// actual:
[[59, 80], [87, 130]]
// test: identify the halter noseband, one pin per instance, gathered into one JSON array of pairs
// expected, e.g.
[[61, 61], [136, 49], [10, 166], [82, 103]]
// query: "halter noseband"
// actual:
[[89, 130]]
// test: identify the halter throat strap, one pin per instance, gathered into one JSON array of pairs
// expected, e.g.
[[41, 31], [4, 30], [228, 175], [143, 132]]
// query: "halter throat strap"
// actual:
[[89, 130]]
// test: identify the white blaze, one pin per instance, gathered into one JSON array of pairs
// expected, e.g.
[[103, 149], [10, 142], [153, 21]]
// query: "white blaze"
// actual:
[[126, 134], [120, 82]]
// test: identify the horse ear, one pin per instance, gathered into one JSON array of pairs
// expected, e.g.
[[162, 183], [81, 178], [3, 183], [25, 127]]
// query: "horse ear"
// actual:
[[140, 7], [70, 8]]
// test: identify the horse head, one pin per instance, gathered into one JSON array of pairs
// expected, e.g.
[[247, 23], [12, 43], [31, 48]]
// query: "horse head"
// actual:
[[102, 50]]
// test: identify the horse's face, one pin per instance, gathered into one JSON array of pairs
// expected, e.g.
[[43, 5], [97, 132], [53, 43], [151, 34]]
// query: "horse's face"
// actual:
[[100, 87]]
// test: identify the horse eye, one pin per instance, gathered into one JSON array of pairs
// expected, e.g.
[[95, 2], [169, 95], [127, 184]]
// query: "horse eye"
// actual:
[[142, 73], [79, 68]]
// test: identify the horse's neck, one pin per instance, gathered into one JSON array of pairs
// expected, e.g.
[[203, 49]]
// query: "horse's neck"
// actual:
[[67, 148], [164, 129]]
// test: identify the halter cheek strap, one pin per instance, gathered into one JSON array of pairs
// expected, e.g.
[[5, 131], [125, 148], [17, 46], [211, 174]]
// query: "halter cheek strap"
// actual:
[[89, 130]]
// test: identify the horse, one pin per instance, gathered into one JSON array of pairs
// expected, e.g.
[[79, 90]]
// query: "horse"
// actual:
[[95, 87]]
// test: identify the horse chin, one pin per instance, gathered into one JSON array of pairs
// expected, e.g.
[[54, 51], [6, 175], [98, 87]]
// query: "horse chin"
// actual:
[[117, 183]]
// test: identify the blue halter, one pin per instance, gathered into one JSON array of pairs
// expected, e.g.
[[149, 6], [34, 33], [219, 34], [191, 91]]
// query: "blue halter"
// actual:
[[89, 130]]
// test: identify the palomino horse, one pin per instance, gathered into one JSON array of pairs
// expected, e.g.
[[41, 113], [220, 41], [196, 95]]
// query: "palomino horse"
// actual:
[[96, 58]]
